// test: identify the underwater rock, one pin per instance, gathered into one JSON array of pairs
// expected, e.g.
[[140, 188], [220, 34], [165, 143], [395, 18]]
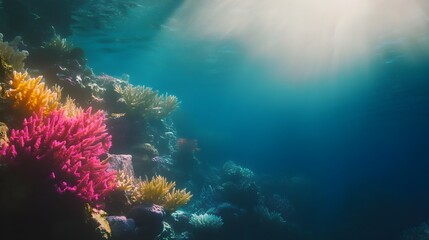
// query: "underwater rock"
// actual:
[[245, 194], [162, 134], [228, 212], [121, 162], [236, 173], [420, 232], [268, 217], [145, 151], [279, 204], [180, 220], [185, 161], [206, 226], [159, 165], [125, 132], [148, 220], [167, 234], [5, 70], [122, 227]]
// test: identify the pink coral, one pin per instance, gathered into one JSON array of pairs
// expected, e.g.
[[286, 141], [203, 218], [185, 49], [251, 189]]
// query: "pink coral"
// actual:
[[66, 149]]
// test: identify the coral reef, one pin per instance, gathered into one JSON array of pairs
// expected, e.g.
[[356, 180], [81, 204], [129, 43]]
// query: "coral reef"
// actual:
[[206, 221], [51, 166], [70, 108], [31, 95], [420, 232], [155, 191], [205, 226], [236, 172], [67, 150], [144, 101], [159, 191], [65, 65], [11, 55], [268, 216]]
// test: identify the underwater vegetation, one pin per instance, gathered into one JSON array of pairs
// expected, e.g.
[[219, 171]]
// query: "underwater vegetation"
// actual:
[[87, 156]]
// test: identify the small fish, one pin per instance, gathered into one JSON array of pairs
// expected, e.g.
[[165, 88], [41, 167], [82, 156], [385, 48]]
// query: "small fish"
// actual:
[[35, 16]]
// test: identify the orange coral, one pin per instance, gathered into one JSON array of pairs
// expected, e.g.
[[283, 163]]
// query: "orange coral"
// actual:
[[31, 95]]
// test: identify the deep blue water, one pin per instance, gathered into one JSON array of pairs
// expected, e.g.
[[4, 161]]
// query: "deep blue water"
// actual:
[[355, 142]]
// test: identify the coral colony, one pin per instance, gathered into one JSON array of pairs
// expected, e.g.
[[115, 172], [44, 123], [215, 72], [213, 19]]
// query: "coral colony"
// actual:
[[94, 157], [69, 147]]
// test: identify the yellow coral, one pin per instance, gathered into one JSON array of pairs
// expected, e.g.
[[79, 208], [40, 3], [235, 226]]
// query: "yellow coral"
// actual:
[[125, 182], [176, 198], [155, 191], [100, 218], [71, 109], [31, 95]]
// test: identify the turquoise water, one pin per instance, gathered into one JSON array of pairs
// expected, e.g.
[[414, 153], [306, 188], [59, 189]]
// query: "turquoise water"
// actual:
[[335, 117], [355, 141]]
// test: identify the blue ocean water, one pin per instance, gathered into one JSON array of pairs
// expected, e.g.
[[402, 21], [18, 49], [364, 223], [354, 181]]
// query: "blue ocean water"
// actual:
[[353, 144], [348, 146]]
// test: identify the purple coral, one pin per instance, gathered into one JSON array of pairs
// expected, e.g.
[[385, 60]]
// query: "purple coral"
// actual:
[[67, 150]]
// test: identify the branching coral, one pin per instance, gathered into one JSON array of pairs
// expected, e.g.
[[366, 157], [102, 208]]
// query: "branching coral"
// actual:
[[31, 95], [237, 172], [176, 198], [71, 109], [145, 101], [206, 221], [155, 191], [58, 44], [9, 52], [67, 150], [126, 183]]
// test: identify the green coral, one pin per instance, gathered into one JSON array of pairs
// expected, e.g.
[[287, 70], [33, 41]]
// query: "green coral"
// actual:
[[142, 100], [206, 221], [269, 217], [237, 172], [58, 44]]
